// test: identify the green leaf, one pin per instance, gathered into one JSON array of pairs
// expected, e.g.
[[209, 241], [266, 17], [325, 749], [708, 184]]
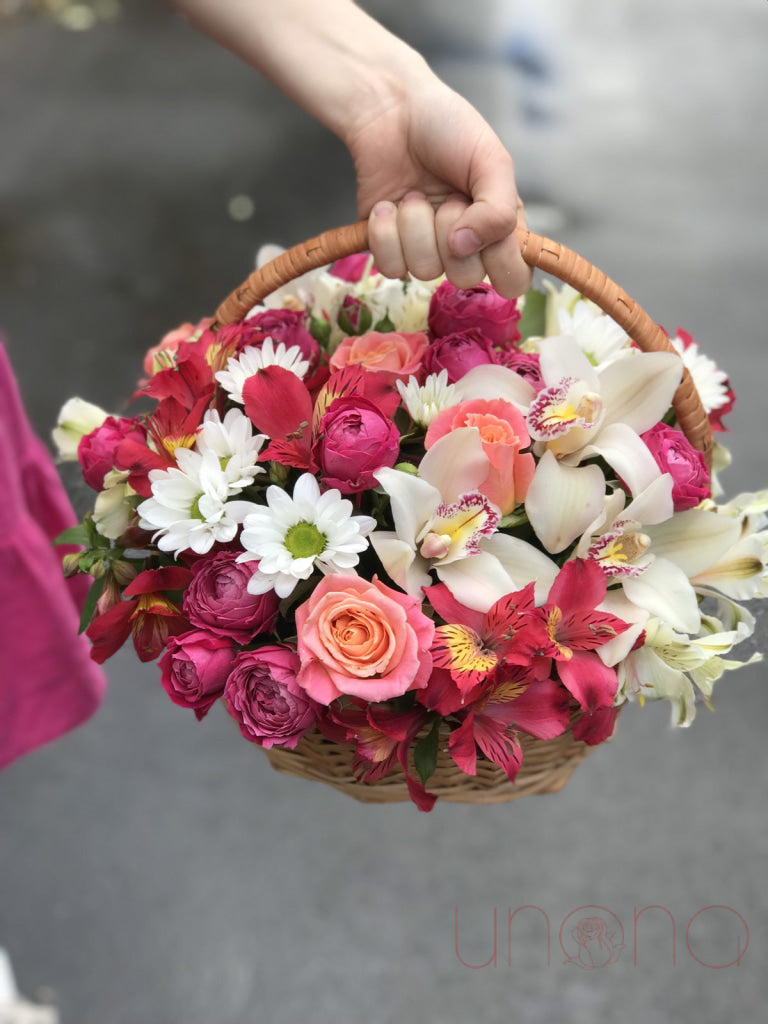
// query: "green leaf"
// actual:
[[89, 608], [75, 535], [384, 325], [533, 319], [425, 753], [513, 519]]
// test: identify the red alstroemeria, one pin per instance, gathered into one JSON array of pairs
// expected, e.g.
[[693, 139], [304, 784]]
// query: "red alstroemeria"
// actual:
[[149, 615], [382, 738], [280, 406], [475, 647], [575, 630], [171, 426]]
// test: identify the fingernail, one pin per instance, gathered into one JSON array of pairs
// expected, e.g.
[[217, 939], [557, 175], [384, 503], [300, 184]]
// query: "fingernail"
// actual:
[[465, 243], [383, 209]]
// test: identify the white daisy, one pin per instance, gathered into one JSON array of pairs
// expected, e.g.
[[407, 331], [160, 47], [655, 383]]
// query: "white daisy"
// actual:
[[235, 445], [425, 401], [291, 537], [599, 337], [189, 507], [253, 359], [711, 382]]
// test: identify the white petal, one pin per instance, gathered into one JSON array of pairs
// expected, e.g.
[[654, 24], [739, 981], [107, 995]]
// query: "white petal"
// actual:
[[562, 357], [695, 539], [401, 562], [638, 389], [456, 463], [654, 504], [664, 590], [624, 450], [523, 563], [413, 500], [477, 581], [490, 382], [667, 683], [562, 501], [617, 603]]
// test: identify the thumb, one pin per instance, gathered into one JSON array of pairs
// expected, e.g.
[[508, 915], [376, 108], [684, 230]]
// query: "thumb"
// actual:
[[492, 215]]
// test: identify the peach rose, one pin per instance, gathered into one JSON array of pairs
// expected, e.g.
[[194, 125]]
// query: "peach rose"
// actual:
[[394, 351], [163, 355], [504, 435], [360, 638]]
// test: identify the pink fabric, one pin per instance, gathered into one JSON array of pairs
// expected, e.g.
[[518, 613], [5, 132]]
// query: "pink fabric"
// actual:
[[48, 682]]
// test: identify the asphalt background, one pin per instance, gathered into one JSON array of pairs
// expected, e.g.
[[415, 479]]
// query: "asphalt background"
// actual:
[[156, 870]]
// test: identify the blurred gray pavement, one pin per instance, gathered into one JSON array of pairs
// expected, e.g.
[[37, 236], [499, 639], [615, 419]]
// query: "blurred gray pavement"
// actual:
[[155, 870]]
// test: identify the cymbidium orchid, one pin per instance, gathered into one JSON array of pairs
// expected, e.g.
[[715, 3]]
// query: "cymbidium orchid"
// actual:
[[584, 413], [443, 523], [654, 554]]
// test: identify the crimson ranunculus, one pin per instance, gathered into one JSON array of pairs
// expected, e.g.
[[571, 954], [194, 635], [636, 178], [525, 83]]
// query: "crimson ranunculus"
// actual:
[[96, 451], [674, 454], [454, 309], [194, 669], [458, 353], [265, 700], [217, 599], [354, 440]]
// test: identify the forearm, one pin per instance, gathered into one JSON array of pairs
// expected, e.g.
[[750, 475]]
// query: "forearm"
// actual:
[[329, 56]]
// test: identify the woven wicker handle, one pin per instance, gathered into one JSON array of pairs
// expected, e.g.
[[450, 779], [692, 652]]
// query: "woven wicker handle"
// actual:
[[549, 256]]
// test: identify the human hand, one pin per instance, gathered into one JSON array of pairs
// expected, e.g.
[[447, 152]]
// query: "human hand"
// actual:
[[439, 189]]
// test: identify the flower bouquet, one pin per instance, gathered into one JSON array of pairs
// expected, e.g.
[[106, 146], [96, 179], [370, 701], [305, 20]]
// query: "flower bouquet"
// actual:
[[420, 541]]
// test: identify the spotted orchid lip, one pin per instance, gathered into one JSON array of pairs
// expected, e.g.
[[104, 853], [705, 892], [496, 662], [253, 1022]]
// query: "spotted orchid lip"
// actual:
[[617, 551], [557, 409], [456, 529]]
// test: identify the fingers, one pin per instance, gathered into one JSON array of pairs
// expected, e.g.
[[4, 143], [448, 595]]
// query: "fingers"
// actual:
[[507, 271], [414, 237]]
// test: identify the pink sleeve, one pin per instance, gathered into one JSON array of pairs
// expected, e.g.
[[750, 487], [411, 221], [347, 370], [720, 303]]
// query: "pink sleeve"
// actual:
[[48, 682]]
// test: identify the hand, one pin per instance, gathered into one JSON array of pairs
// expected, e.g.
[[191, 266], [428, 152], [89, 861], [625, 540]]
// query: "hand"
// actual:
[[439, 189]]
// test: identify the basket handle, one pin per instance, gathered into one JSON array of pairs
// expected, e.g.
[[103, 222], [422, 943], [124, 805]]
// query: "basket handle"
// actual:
[[551, 257]]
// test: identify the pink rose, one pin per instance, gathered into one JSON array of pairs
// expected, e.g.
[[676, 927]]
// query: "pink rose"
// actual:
[[96, 451], [674, 454], [352, 268], [288, 326], [524, 364], [194, 669], [457, 309], [360, 638], [263, 697], [162, 355], [394, 351], [458, 353], [354, 440], [503, 434], [217, 599]]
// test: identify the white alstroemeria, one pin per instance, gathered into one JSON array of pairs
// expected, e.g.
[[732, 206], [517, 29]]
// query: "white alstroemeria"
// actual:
[[443, 523], [408, 307], [252, 359], [562, 298], [710, 381], [654, 553], [670, 662], [112, 512], [583, 413], [189, 508], [76, 419], [300, 292], [425, 401], [291, 537], [235, 445]]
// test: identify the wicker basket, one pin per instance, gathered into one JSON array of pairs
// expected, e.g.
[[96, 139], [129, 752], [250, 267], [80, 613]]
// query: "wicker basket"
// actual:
[[547, 764]]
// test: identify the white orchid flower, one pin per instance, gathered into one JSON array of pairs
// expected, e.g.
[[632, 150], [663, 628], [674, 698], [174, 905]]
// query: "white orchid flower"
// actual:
[[443, 523], [584, 413], [654, 553]]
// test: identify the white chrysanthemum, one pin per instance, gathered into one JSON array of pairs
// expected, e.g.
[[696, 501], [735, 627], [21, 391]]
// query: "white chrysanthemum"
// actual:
[[189, 507], [598, 336], [425, 401], [292, 536], [235, 445], [711, 382], [253, 359]]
